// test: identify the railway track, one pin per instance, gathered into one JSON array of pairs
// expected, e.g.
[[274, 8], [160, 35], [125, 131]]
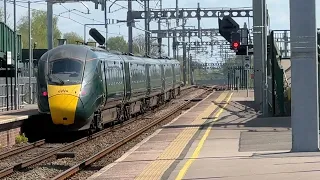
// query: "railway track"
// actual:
[[52, 152], [76, 168]]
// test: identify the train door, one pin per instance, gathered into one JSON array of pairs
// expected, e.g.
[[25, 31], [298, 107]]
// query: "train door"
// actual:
[[100, 84], [148, 83], [173, 76], [163, 79], [127, 80], [104, 77]]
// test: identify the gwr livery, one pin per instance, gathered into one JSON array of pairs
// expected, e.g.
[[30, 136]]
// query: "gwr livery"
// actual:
[[76, 83]]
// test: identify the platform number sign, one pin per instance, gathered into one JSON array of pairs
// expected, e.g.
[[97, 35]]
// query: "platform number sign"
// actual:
[[247, 62], [9, 58]]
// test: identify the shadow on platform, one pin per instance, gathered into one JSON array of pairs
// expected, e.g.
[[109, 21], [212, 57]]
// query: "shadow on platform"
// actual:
[[249, 104], [26, 112]]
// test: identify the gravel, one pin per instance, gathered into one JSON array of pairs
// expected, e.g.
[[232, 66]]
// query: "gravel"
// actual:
[[26, 155], [16, 146], [49, 168]]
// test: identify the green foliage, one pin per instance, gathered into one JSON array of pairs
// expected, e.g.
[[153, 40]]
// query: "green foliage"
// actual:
[[72, 37], [39, 29], [91, 42], [1, 14], [117, 43], [230, 62], [21, 139], [139, 45]]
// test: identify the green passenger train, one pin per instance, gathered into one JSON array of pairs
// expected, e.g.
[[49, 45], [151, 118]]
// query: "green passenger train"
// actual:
[[76, 83]]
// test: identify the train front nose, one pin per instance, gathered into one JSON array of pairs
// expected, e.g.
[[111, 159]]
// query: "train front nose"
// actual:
[[63, 103]]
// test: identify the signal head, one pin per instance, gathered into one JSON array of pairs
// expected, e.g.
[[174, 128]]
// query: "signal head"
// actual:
[[235, 45]]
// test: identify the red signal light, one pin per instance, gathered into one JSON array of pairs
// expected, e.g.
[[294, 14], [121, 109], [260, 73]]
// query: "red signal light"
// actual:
[[235, 45]]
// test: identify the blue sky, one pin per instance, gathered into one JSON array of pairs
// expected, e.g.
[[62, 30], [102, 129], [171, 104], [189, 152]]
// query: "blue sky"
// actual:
[[278, 10]]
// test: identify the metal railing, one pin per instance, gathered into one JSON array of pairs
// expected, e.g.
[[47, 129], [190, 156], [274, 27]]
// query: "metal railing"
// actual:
[[7, 93], [282, 40]]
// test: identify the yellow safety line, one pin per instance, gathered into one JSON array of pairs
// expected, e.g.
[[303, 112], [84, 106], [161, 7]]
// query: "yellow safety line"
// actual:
[[172, 152], [196, 153]]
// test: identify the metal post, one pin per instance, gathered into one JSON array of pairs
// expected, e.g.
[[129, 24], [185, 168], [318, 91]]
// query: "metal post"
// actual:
[[146, 22], [30, 53], [191, 71], [7, 74], [106, 22], [49, 25], [85, 33], [159, 35], [174, 47], [257, 46], [285, 38], [177, 13], [304, 65], [148, 25], [247, 84], [5, 11], [16, 92], [130, 41], [265, 107], [168, 24], [199, 26], [184, 53], [189, 61]]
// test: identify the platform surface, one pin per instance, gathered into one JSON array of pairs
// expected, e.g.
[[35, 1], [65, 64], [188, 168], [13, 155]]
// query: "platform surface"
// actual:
[[18, 115], [220, 138]]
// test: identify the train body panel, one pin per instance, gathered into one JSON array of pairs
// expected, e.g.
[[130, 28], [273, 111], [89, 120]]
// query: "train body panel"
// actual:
[[77, 82]]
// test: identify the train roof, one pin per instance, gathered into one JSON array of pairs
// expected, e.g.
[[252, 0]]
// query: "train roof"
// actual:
[[81, 52]]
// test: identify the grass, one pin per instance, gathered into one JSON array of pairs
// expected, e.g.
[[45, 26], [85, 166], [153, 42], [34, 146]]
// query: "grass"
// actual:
[[21, 139]]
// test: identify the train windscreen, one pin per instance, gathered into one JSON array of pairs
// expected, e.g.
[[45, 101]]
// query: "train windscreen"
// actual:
[[65, 64], [65, 71]]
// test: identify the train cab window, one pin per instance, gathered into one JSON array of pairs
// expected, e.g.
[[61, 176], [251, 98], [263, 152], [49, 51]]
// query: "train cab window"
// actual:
[[65, 71]]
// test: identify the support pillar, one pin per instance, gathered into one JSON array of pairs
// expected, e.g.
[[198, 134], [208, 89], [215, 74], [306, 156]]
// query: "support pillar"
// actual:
[[304, 70]]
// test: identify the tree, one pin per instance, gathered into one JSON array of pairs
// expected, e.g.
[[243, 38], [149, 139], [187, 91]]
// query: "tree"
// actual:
[[230, 62], [139, 46], [91, 42], [72, 37], [2, 16], [118, 44], [39, 29]]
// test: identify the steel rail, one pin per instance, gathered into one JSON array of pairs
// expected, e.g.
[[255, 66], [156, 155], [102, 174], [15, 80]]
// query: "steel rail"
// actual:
[[73, 170], [7, 171], [21, 149]]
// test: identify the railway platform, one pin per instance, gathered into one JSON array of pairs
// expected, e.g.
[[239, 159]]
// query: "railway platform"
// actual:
[[18, 115], [222, 137], [11, 121]]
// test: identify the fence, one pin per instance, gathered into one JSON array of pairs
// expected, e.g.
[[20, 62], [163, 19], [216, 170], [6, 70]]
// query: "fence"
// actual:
[[7, 92], [240, 78], [282, 40], [7, 98], [275, 72]]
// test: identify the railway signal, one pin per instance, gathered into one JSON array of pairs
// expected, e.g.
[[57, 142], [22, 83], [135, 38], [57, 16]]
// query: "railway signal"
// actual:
[[235, 41], [227, 26], [94, 33]]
